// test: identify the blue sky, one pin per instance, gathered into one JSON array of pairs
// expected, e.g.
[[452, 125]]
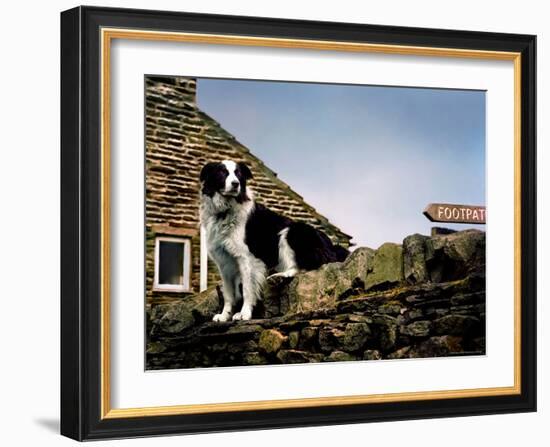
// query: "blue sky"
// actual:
[[369, 158]]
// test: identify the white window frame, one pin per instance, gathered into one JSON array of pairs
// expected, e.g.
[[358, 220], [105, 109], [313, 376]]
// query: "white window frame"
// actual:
[[186, 286]]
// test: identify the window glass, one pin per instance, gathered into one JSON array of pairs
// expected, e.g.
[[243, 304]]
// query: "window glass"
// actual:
[[170, 263]]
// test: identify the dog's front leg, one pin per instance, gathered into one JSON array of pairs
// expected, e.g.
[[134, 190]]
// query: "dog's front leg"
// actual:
[[252, 277], [229, 294]]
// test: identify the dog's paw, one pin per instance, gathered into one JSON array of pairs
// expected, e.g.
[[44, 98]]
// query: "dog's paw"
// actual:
[[286, 274], [274, 275], [224, 316], [244, 314]]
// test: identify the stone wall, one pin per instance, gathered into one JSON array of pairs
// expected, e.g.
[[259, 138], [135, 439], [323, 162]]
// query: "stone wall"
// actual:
[[180, 139], [422, 298]]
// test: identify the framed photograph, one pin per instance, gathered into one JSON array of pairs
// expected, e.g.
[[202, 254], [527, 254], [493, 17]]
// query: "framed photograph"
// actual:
[[275, 223]]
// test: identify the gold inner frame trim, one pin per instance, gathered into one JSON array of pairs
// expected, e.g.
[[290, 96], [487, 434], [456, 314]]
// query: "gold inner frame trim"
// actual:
[[107, 35]]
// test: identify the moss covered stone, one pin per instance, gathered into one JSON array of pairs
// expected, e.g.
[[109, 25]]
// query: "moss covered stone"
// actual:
[[355, 336], [387, 267], [271, 341], [340, 356]]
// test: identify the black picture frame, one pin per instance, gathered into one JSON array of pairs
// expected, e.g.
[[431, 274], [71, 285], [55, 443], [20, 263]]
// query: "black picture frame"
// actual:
[[81, 209]]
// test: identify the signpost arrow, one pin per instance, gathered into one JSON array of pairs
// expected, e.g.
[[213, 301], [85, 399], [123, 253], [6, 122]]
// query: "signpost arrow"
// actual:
[[447, 212]]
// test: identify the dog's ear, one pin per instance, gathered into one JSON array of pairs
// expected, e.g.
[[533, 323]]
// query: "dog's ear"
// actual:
[[206, 170], [245, 170]]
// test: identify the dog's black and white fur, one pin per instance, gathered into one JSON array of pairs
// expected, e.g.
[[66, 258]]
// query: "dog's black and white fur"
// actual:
[[247, 241]]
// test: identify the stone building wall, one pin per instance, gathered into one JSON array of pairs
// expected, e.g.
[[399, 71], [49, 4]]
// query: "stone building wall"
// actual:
[[180, 139]]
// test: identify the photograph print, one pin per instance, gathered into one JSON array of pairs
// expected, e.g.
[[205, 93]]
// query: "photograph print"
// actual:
[[293, 222]]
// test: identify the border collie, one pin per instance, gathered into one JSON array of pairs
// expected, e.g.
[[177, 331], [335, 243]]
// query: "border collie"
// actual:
[[247, 240]]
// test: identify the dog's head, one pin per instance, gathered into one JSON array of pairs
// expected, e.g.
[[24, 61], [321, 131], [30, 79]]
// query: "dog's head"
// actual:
[[227, 178]]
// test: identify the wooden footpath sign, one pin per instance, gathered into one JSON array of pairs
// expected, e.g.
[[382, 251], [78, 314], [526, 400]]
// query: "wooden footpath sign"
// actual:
[[447, 212]]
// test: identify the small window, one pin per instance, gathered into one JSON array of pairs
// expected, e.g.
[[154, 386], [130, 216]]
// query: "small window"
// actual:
[[172, 262]]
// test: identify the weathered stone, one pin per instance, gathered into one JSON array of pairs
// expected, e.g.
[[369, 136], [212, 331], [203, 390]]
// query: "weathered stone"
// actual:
[[409, 316], [387, 337], [357, 288], [355, 336], [155, 348], [384, 320], [176, 317], [417, 329], [158, 315], [402, 353], [357, 266], [414, 259], [275, 300], [438, 347], [240, 347], [403, 340], [293, 339], [455, 325], [436, 313], [318, 322], [148, 323], [216, 327], [440, 231], [390, 308], [330, 338], [414, 314], [292, 324], [317, 288], [308, 336], [219, 347], [294, 356], [359, 318], [468, 298], [468, 309], [255, 358], [340, 356], [323, 287], [387, 267], [372, 354], [205, 304], [271, 341], [386, 330], [453, 256], [243, 327]]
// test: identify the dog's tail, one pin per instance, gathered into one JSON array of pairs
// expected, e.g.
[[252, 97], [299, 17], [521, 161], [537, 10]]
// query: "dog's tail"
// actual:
[[312, 247]]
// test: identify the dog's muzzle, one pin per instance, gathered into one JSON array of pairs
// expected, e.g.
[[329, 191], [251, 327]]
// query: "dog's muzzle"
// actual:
[[233, 190]]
